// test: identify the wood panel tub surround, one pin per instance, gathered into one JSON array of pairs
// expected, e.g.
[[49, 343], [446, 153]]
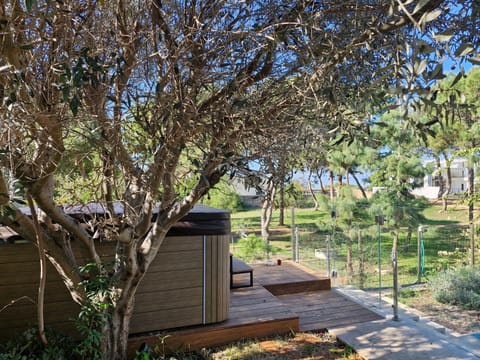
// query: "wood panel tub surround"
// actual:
[[187, 284]]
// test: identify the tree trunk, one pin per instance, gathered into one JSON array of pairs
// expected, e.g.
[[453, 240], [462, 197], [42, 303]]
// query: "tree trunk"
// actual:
[[406, 246], [43, 273], [117, 322], [267, 208], [448, 183], [448, 189], [438, 166], [116, 329], [312, 193], [332, 189], [364, 194], [471, 189], [319, 175]]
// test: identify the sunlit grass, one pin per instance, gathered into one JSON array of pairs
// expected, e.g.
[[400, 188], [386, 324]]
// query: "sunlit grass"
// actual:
[[445, 234]]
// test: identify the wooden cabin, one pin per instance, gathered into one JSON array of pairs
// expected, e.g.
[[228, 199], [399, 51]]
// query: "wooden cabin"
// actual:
[[187, 284]]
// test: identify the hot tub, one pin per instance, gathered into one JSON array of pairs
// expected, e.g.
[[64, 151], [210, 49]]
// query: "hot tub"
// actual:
[[187, 284]]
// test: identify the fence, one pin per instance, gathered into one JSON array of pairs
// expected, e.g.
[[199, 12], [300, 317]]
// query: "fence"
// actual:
[[362, 256]]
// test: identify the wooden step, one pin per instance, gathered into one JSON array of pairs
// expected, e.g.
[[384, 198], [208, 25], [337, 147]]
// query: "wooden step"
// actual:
[[299, 287]]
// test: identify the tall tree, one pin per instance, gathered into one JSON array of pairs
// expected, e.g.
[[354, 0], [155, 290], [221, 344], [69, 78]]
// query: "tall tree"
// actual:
[[399, 163], [469, 139], [448, 133], [347, 159], [274, 166]]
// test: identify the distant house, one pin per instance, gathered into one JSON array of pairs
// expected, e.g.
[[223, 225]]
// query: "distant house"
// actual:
[[249, 195], [431, 182]]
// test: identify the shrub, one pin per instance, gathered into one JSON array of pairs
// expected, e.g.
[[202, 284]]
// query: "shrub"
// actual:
[[27, 346], [223, 196], [253, 248], [458, 287]]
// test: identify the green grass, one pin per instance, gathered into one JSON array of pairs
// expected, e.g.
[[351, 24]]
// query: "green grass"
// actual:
[[443, 235], [248, 222], [455, 214], [250, 219]]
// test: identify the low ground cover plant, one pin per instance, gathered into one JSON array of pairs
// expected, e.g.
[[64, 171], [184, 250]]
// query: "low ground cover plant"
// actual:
[[458, 287]]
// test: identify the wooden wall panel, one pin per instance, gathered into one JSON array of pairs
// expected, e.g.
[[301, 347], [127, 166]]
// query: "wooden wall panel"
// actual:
[[142, 322], [170, 295], [217, 275]]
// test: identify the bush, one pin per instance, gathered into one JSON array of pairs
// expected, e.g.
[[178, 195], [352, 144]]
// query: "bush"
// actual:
[[458, 287], [223, 196], [27, 346], [253, 248]]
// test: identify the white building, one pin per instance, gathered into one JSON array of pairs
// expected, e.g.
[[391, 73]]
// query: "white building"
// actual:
[[431, 182], [249, 195]]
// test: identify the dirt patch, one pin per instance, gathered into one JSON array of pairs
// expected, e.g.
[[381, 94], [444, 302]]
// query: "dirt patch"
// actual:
[[452, 317], [310, 345]]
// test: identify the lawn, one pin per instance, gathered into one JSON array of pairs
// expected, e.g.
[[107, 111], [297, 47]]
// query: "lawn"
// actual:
[[445, 244]]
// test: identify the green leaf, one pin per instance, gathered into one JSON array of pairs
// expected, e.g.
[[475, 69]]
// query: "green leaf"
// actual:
[[437, 73], [75, 105], [430, 16], [65, 93], [457, 78], [26, 47], [78, 77], [420, 6], [464, 49], [474, 60], [443, 36], [420, 67], [29, 4], [427, 101], [394, 90], [424, 48]]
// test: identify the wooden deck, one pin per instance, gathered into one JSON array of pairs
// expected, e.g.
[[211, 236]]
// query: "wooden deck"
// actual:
[[326, 309], [284, 298], [254, 313]]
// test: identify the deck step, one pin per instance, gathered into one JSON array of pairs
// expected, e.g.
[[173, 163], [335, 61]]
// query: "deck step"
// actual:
[[298, 287], [289, 278]]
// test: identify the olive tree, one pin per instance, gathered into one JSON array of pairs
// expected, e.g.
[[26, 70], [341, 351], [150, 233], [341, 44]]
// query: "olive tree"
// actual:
[[147, 103]]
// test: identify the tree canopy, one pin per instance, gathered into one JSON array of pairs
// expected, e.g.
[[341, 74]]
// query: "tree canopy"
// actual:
[[151, 102]]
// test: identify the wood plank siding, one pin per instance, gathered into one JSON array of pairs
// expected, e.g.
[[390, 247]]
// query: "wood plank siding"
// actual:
[[187, 284]]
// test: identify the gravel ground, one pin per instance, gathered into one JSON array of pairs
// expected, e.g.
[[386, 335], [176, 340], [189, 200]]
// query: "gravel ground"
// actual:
[[452, 317]]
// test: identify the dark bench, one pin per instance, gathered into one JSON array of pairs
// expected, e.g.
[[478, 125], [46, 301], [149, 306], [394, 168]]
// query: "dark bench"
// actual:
[[238, 266]]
